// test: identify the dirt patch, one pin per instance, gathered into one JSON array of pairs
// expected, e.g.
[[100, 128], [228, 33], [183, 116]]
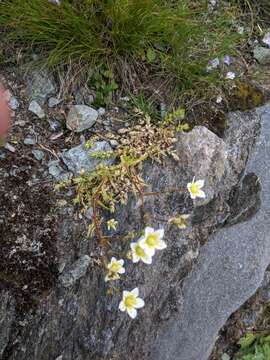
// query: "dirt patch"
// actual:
[[27, 230]]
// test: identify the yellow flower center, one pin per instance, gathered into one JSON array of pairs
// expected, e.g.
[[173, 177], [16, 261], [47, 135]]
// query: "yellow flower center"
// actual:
[[130, 301], [194, 189], [139, 251], [115, 267], [151, 240]]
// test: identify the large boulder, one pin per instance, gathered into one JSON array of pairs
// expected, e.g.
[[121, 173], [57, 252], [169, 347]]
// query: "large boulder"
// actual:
[[207, 271]]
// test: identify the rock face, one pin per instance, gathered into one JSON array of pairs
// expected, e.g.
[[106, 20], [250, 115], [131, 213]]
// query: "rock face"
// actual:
[[79, 158], [39, 86], [207, 271]]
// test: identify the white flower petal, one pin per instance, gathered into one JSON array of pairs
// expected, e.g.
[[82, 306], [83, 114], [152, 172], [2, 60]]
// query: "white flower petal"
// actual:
[[139, 304], [135, 292], [113, 259], [162, 245], [133, 245], [132, 312], [200, 183], [135, 258], [121, 271], [125, 294], [160, 233], [149, 251], [148, 230], [122, 306], [201, 194], [147, 259], [121, 262]]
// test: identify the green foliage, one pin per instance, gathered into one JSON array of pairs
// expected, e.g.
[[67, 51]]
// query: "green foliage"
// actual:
[[173, 38], [103, 82], [254, 347]]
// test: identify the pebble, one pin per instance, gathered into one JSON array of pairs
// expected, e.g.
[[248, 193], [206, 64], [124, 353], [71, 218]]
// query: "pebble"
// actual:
[[36, 109], [38, 154], [10, 148], [29, 141], [13, 103], [52, 102], [81, 117]]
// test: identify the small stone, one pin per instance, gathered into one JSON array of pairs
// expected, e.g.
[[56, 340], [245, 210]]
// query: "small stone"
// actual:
[[39, 86], [89, 213], [29, 141], [225, 357], [79, 158], [114, 143], [77, 270], [52, 102], [9, 147], [81, 117], [55, 125], [101, 111], [35, 108], [13, 103], [262, 55], [38, 154]]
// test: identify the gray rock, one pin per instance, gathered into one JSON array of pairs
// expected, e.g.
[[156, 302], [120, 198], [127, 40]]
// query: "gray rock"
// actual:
[[39, 86], [9, 147], [232, 264], [38, 154], [56, 170], [52, 102], [13, 103], [79, 158], [205, 159], [89, 213], [101, 111], [29, 141], [77, 270], [7, 317], [81, 117], [205, 273], [262, 55], [36, 109], [55, 125]]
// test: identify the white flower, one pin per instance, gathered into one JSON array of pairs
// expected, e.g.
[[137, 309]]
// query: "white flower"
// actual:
[[152, 240], [194, 189], [112, 224], [131, 302], [230, 75], [115, 267], [138, 253]]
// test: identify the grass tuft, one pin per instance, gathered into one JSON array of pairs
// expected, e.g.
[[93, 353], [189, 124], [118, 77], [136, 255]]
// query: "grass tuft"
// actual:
[[171, 39]]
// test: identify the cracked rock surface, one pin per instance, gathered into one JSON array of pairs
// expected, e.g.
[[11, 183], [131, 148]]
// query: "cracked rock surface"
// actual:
[[207, 271]]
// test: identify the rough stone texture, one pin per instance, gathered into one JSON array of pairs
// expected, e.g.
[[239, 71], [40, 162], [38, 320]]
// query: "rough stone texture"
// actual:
[[7, 315], [262, 55], [82, 321], [79, 158], [77, 270], [81, 117], [230, 268], [36, 109], [39, 86]]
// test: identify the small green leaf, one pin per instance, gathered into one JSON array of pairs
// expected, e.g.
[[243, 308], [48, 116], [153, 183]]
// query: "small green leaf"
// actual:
[[151, 55]]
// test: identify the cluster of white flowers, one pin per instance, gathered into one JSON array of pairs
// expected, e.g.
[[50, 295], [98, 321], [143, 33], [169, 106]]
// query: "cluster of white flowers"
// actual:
[[144, 250]]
